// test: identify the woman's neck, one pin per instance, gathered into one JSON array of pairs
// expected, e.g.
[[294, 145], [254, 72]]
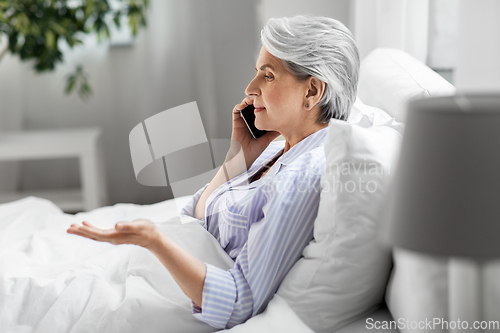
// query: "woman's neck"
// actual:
[[291, 139]]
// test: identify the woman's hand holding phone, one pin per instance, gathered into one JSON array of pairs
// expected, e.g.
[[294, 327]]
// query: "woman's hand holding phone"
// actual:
[[252, 148]]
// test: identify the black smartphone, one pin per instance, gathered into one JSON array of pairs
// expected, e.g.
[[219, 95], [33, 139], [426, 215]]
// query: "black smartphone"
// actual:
[[248, 116]]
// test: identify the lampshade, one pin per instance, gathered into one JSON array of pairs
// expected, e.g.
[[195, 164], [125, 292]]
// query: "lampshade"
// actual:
[[446, 192]]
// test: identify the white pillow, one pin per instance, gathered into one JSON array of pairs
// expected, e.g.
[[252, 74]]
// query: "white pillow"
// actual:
[[344, 270], [390, 78], [374, 116], [276, 318]]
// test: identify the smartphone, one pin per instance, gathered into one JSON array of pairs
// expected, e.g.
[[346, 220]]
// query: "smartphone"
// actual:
[[248, 116]]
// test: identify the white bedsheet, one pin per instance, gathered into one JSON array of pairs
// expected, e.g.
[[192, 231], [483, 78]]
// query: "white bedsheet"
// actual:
[[51, 281]]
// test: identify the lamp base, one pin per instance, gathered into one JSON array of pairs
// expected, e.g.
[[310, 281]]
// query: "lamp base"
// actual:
[[465, 295]]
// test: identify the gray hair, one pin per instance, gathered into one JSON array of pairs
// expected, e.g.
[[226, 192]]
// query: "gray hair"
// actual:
[[322, 47]]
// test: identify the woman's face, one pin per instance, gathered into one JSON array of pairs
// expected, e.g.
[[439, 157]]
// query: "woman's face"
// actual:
[[278, 96]]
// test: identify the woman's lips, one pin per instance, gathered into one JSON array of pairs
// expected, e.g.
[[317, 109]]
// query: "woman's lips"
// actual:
[[258, 109]]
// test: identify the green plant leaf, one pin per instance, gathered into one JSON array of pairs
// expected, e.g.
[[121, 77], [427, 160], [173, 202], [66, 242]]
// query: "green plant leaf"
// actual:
[[89, 8], [50, 39], [70, 84], [105, 29], [104, 6], [86, 88], [85, 91], [116, 18], [35, 29], [3, 18], [143, 18], [22, 23], [59, 29], [13, 41], [132, 23]]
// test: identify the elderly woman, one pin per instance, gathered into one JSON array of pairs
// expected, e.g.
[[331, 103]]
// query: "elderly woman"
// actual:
[[306, 74]]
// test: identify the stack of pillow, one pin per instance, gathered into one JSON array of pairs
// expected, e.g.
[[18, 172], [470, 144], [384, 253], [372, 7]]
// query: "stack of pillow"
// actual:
[[344, 270]]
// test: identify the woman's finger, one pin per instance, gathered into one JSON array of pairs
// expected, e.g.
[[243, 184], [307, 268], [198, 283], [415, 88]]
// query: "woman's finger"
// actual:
[[91, 232], [76, 230], [126, 227], [90, 226], [108, 236], [247, 101], [238, 108], [244, 103], [94, 234]]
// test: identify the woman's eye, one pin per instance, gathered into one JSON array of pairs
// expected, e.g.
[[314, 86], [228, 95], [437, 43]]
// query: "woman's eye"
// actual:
[[269, 77]]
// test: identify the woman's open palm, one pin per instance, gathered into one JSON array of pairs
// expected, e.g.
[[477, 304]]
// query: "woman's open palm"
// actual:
[[139, 232]]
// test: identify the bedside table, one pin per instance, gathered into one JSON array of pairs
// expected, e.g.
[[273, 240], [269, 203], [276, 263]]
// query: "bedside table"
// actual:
[[82, 143]]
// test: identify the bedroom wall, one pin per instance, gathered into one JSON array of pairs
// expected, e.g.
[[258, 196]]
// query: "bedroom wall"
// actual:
[[191, 50], [338, 9]]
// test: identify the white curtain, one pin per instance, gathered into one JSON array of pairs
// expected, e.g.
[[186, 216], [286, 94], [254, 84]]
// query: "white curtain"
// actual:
[[400, 24], [11, 117], [443, 34], [478, 47], [463, 35]]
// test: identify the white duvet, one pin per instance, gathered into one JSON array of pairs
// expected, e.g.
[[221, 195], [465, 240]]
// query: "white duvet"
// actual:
[[51, 281], [54, 282]]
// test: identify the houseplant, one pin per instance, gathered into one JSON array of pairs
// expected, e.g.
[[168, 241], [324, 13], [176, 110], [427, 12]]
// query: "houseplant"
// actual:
[[35, 29]]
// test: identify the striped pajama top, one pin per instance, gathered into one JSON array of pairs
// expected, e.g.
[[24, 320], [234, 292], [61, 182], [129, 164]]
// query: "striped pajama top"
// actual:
[[263, 226]]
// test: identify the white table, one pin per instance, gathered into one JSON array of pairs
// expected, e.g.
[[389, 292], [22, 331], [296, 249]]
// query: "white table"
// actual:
[[82, 143]]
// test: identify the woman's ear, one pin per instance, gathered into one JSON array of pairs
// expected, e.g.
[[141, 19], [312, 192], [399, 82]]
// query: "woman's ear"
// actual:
[[315, 90]]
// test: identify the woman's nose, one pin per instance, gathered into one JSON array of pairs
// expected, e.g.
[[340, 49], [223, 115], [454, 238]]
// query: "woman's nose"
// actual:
[[252, 89]]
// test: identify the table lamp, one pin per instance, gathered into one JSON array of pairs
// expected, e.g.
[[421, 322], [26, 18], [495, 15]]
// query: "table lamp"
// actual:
[[445, 194]]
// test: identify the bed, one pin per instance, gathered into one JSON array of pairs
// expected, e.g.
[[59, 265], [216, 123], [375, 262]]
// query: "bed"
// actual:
[[54, 282]]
